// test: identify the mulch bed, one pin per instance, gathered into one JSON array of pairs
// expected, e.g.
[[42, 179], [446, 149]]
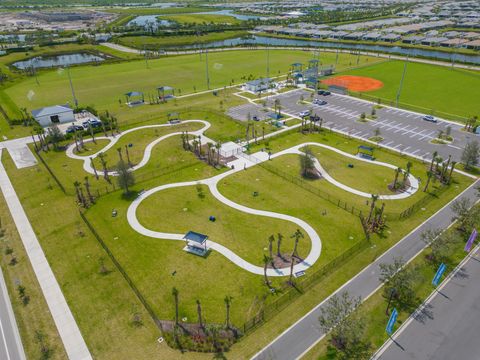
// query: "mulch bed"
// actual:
[[355, 83]]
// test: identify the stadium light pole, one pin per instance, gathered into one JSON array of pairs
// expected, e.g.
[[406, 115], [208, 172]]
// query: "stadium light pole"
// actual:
[[75, 101], [206, 69], [401, 81]]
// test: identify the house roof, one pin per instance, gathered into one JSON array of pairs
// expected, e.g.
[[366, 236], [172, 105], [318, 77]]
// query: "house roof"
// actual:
[[195, 237], [51, 110], [258, 82]]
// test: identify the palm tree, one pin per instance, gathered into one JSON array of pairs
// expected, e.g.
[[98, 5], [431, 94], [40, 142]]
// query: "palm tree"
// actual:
[[271, 239], [372, 206], [438, 160], [290, 279], [90, 128], [77, 191], [397, 172], [429, 177], [175, 299], [199, 314], [279, 242], [434, 155], [218, 145], [228, 301], [128, 155], [119, 150], [93, 167], [266, 260], [102, 157], [297, 236], [407, 172], [87, 187], [452, 167]]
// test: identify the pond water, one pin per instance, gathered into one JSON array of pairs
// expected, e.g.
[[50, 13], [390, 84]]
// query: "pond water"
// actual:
[[57, 61], [263, 40], [231, 13], [148, 20]]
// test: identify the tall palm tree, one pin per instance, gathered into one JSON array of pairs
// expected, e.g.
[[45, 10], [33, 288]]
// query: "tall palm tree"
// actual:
[[175, 299], [372, 206], [434, 155], [199, 314], [128, 155], [92, 133], [429, 177], [438, 160], [92, 164], [297, 236], [407, 172], [397, 172], [218, 145], [228, 302], [119, 150], [271, 239], [452, 167], [77, 191], [279, 242], [102, 157], [292, 258], [87, 187], [266, 260]]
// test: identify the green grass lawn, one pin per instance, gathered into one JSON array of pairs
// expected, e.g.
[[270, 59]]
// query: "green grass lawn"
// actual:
[[187, 211], [428, 87], [393, 207], [156, 42], [104, 86], [201, 18], [363, 176]]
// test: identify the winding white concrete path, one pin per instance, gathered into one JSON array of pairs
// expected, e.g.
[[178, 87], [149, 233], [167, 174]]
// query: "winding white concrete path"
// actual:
[[408, 192], [245, 161], [212, 183], [87, 166]]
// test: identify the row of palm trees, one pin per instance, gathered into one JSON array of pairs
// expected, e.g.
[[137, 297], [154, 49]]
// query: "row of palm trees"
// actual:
[[406, 173], [440, 169], [194, 143], [270, 260], [200, 319], [375, 220]]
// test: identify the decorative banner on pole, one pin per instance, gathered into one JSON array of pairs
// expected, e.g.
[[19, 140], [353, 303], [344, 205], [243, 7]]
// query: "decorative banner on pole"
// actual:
[[392, 321], [438, 275], [471, 240]]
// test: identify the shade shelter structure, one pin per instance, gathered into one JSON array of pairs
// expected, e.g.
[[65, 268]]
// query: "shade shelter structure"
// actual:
[[196, 243], [135, 98], [165, 93]]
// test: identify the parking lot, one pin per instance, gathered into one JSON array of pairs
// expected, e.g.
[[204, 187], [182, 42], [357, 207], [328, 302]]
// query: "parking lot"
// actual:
[[242, 112], [401, 130]]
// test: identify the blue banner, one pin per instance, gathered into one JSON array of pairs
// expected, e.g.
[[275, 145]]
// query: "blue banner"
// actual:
[[392, 321], [438, 275]]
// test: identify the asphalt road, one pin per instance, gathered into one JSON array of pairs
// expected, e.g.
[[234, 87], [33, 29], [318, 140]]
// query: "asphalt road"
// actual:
[[10, 344], [402, 130], [306, 332], [446, 327]]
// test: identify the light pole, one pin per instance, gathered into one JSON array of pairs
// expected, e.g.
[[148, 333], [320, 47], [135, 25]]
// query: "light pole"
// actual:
[[401, 81], [75, 101], [206, 69]]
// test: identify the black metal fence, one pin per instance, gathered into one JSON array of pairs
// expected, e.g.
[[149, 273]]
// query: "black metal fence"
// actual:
[[122, 271], [302, 285]]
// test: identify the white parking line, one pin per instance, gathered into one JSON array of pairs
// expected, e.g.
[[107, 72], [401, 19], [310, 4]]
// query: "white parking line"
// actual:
[[413, 153]]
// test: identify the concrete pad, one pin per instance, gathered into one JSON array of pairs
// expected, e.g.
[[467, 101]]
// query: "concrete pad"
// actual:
[[22, 156]]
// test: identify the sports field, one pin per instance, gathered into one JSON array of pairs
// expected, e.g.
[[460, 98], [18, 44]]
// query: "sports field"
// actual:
[[428, 87], [201, 18], [104, 86]]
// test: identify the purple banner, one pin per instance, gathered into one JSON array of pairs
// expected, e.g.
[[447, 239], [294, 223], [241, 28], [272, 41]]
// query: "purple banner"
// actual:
[[470, 241]]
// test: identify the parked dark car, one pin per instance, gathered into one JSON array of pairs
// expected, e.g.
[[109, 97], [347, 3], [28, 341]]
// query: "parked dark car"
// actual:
[[320, 92], [93, 122], [71, 129], [326, 93]]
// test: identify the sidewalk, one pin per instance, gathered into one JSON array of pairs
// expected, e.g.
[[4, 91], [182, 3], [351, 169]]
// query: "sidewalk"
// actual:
[[67, 327]]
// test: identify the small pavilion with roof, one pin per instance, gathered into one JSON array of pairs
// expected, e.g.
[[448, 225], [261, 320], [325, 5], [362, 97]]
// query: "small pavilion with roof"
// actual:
[[135, 98], [165, 93], [196, 243]]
